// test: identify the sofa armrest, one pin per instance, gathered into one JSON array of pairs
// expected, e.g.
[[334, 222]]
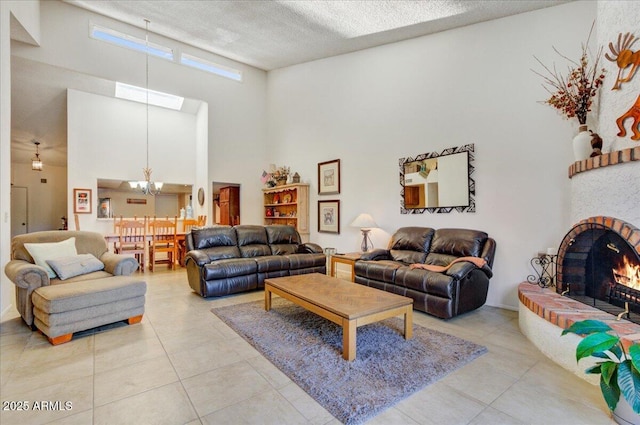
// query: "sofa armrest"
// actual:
[[26, 275], [376, 254], [459, 270], [310, 248], [118, 264], [197, 256]]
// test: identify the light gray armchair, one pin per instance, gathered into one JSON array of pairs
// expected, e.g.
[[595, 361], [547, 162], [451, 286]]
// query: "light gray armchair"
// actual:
[[28, 277]]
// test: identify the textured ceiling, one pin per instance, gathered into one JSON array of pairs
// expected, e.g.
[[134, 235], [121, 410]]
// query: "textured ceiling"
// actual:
[[275, 34], [265, 34]]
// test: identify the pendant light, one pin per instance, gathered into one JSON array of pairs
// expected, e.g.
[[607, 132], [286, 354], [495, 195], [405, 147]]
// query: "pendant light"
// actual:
[[36, 163]]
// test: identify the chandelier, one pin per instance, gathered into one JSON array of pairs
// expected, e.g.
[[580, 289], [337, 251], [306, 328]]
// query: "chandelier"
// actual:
[[36, 163], [147, 186]]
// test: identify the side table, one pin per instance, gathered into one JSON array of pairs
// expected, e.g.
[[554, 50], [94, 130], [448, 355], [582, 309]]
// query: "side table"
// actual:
[[348, 258]]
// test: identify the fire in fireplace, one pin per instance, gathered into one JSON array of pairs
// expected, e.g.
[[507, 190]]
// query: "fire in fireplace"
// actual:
[[599, 265]]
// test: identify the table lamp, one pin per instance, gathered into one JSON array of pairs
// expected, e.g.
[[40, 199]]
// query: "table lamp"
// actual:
[[365, 222]]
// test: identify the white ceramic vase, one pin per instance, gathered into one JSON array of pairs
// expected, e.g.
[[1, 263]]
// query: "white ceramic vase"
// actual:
[[582, 144], [623, 414]]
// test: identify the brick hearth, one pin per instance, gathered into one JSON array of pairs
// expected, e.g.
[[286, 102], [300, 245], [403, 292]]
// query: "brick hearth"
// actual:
[[563, 312], [605, 160]]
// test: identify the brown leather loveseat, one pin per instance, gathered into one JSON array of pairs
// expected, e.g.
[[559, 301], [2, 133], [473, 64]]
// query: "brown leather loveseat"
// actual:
[[223, 260], [462, 287]]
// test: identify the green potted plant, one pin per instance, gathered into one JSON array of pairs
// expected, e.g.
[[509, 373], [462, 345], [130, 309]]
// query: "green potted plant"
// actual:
[[619, 369]]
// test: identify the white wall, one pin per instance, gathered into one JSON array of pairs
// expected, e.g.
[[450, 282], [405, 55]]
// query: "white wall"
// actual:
[[468, 85], [615, 17], [26, 15], [46, 202]]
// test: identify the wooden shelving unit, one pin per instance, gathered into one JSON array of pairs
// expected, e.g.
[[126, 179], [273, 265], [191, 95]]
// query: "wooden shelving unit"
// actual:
[[288, 204]]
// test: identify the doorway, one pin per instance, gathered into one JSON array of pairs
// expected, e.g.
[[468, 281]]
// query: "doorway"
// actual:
[[19, 211], [226, 203]]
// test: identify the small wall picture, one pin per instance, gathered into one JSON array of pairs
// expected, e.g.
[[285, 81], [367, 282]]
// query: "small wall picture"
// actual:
[[329, 216], [329, 177], [82, 201], [104, 208]]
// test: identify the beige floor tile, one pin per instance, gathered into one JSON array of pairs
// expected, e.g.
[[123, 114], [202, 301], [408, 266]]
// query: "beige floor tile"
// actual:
[[122, 382], [120, 353], [168, 405], [453, 407], [82, 418], [272, 374], [225, 386], [203, 358], [392, 416], [491, 416], [538, 405], [305, 404], [179, 341], [268, 408]]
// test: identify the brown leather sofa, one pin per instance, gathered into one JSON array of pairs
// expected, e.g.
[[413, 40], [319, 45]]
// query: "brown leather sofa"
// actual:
[[223, 260], [461, 288]]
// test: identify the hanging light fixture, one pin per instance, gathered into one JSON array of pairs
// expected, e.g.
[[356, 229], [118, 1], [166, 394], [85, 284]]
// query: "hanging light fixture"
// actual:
[[36, 163], [147, 186]]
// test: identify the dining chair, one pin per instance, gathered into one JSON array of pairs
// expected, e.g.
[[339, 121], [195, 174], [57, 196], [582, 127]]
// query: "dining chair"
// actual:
[[76, 218], [202, 220], [163, 240], [187, 225], [132, 239]]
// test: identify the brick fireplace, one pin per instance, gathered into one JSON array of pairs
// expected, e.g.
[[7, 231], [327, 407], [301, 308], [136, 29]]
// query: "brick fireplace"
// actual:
[[599, 265]]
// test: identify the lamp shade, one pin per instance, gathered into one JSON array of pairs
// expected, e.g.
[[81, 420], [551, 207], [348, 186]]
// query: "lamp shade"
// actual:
[[364, 220]]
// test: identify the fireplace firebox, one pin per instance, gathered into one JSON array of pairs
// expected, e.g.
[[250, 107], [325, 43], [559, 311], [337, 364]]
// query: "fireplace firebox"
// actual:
[[599, 264]]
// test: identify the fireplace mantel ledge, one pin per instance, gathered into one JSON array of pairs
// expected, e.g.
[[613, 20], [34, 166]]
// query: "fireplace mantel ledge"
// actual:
[[543, 314], [605, 160]]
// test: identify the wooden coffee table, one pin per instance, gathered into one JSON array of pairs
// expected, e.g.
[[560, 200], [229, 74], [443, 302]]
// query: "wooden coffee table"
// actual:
[[347, 304]]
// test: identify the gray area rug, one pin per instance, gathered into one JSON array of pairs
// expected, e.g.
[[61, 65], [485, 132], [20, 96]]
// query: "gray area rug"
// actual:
[[308, 349]]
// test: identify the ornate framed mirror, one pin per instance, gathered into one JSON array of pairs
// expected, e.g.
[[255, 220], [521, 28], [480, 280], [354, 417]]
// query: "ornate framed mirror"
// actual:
[[438, 182]]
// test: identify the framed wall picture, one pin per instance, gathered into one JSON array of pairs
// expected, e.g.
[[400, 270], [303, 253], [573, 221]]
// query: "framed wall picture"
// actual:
[[104, 208], [329, 216], [329, 177], [82, 201]]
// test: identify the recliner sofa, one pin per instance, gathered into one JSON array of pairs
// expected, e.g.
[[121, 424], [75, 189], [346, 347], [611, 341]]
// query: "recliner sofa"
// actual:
[[223, 260], [461, 288]]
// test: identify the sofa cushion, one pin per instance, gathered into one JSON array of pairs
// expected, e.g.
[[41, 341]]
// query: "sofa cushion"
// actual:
[[305, 261], [41, 252], [458, 242], [217, 236], [282, 239], [270, 263], [66, 267], [434, 283], [382, 270], [410, 244], [223, 269], [252, 241]]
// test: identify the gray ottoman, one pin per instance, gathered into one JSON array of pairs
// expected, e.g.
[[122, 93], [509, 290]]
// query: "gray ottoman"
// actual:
[[60, 310]]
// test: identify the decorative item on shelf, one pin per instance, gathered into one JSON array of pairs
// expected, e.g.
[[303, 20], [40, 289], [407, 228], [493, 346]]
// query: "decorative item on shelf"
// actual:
[[296, 178], [582, 144], [572, 94], [276, 213], [189, 209], [269, 212], [276, 199], [365, 222], [286, 199], [619, 368], [278, 177], [36, 162], [624, 56], [596, 145], [182, 213]]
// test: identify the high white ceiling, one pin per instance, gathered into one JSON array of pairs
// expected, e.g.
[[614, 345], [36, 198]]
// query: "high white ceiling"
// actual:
[[265, 34]]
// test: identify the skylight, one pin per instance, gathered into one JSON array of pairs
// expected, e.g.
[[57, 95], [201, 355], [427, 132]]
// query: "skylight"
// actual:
[[214, 68], [130, 42], [157, 98]]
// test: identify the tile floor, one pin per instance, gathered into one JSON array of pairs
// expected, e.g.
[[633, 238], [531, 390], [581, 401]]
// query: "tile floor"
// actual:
[[182, 365]]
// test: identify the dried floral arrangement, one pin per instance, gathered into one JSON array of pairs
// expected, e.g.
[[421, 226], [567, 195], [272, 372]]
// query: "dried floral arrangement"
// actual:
[[572, 95], [280, 173]]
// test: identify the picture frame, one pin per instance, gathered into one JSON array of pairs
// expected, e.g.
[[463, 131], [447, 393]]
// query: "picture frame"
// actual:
[[329, 216], [104, 207], [82, 201], [329, 177]]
